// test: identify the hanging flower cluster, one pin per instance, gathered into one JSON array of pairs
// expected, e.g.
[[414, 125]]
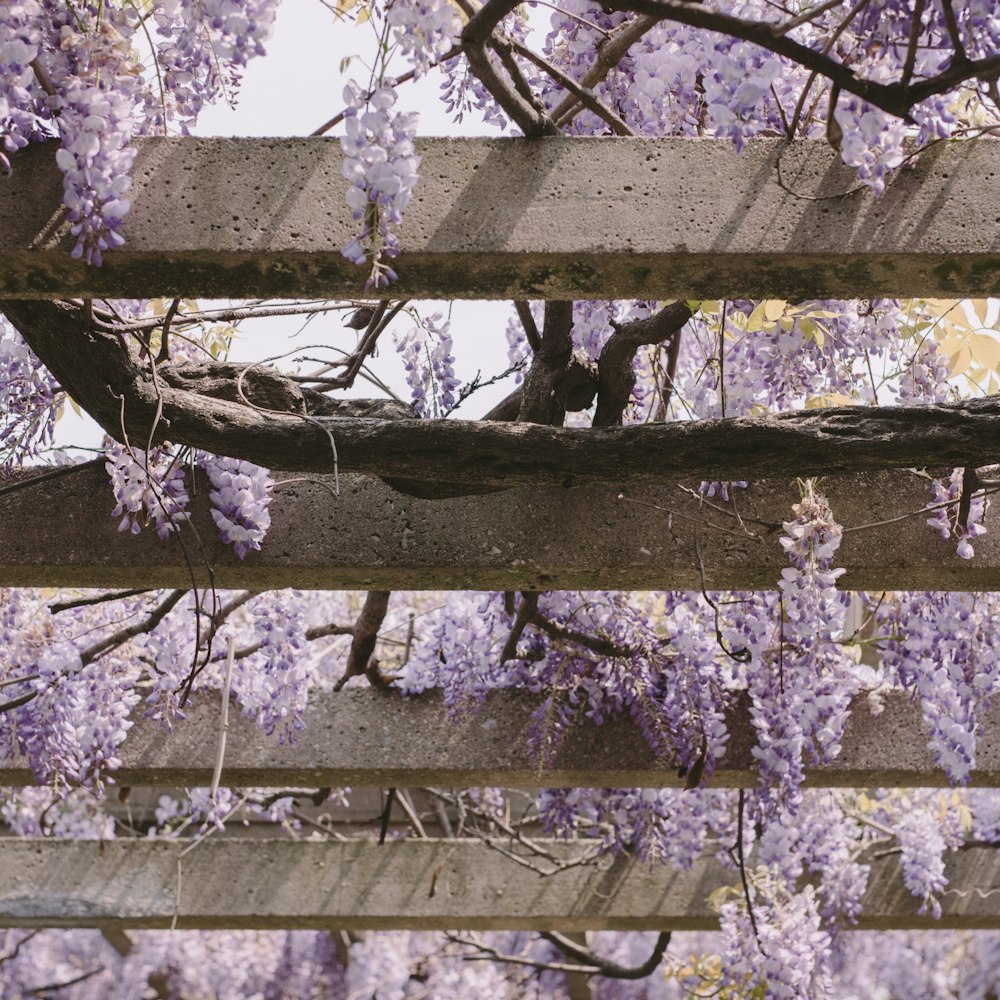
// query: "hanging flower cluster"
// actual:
[[381, 168]]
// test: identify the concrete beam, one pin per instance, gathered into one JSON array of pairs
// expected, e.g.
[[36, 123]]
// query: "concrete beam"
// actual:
[[367, 738], [551, 218], [412, 884], [59, 531]]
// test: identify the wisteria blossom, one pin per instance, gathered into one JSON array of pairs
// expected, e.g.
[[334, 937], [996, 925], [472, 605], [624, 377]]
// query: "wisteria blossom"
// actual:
[[381, 168], [240, 497]]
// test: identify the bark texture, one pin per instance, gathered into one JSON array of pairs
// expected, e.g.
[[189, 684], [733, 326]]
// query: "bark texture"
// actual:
[[105, 376]]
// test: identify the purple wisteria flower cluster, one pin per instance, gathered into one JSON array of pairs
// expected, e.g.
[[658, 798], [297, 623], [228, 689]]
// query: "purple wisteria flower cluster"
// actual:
[[69, 711], [147, 487], [273, 684], [151, 487], [788, 952], [427, 352], [28, 401], [942, 647], [72, 71], [946, 495], [241, 494], [206, 45], [68, 70], [424, 30], [381, 168]]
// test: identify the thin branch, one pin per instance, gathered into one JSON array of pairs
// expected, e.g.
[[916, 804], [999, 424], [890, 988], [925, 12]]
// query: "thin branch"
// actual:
[[527, 609], [585, 96], [123, 635], [807, 15], [961, 57], [223, 718], [41, 991], [403, 798], [478, 383], [85, 602], [482, 24], [740, 654], [612, 970], [743, 868], [970, 483], [321, 631], [164, 352], [452, 53], [390, 798], [528, 119], [477, 34], [610, 52], [486, 953], [42, 77], [21, 942], [376, 327], [603, 647], [528, 322], [215, 622], [895, 98], [109, 322], [911, 49]]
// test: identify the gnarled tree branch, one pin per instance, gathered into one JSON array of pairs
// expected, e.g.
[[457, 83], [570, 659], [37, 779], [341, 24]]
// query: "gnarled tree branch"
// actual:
[[106, 378], [616, 378]]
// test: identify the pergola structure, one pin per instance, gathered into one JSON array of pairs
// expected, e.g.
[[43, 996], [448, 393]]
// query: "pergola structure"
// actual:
[[541, 218]]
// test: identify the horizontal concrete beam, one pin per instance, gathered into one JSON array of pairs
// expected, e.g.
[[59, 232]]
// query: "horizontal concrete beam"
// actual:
[[413, 884], [59, 531], [367, 738], [551, 218]]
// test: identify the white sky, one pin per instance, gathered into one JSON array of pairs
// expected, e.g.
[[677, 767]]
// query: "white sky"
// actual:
[[298, 85]]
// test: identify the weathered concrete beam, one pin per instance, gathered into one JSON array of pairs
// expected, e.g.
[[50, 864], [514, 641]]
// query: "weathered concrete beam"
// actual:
[[367, 738], [551, 218], [412, 884], [59, 532]]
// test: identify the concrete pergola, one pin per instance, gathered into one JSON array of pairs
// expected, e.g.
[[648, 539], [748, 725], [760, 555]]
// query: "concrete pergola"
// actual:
[[552, 218], [545, 218]]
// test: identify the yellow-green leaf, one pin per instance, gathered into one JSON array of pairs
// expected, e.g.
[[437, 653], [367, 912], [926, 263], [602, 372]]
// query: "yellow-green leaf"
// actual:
[[758, 318], [774, 308], [986, 350]]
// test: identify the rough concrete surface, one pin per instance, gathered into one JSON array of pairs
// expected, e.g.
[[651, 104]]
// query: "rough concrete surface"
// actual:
[[366, 738], [415, 884], [538, 218], [59, 532]]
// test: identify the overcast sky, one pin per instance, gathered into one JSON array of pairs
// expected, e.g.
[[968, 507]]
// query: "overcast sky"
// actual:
[[299, 85]]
